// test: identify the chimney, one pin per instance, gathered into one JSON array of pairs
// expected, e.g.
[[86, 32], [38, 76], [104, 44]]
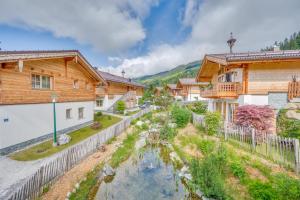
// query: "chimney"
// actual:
[[276, 47]]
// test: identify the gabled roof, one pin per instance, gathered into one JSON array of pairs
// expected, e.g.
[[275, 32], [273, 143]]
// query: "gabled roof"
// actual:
[[159, 88], [172, 86], [254, 56], [15, 56], [211, 61], [118, 79]]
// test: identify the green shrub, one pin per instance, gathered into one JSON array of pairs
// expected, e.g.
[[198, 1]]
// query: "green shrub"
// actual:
[[208, 174], [145, 126], [287, 127], [206, 146], [134, 121], [99, 114], [120, 107], [238, 169], [286, 187], [212, 122], [167, 133], [198, 107], [180, 115], [261, 191]]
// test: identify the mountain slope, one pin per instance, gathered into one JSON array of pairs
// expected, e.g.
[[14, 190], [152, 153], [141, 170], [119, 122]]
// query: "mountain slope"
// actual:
[[171, 76]]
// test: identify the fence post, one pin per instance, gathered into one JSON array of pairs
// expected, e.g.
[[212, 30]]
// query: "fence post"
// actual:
[[297, 152], [253, 138], [225, 130]]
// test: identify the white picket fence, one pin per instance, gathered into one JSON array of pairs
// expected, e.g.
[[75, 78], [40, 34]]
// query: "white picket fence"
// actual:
[[65, 160], [284, 151]]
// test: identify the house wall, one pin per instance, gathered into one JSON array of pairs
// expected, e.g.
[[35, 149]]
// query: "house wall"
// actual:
[[16, 86], [21, 125], [108, 101], [271, 77]]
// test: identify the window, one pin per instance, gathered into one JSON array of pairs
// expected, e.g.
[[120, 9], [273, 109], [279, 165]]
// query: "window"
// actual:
[[76, 84], [41, 82], [80, 113], [99, 102], [68, 113]]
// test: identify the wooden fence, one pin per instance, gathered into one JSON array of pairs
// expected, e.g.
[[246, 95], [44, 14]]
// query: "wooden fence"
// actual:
[[284, 151], [65, 160]]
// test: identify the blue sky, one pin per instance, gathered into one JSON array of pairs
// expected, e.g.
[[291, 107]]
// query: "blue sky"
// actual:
[[145, 37], [162, 25]]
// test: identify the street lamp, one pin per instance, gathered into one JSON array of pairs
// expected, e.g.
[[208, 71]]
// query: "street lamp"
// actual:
[[54, 99]]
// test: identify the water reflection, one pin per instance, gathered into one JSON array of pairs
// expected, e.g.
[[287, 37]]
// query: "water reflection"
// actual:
[[149, 175]]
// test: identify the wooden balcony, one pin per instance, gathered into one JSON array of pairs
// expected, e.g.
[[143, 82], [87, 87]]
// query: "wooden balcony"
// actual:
[[223, 90], [293, 90]]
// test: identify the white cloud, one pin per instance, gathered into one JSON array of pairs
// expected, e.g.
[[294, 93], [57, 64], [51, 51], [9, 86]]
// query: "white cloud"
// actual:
[[255, 24], [108, 26]]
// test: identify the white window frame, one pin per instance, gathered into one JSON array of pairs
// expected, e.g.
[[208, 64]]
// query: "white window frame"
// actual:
[[99, 99], [76, 84], [37, 82], [81, 114], [69, 115]]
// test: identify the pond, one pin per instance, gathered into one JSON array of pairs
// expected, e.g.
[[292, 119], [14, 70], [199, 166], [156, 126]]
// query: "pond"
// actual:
[[148, 174]]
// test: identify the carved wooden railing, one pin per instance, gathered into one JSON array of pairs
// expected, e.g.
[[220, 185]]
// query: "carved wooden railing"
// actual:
[[293, 90], [226, 89]]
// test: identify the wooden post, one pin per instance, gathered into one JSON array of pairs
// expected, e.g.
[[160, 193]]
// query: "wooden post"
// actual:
[[253, 138], [225, 131], [297, 152]]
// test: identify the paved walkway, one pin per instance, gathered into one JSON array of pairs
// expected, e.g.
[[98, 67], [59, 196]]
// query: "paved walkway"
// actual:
[[13, 173]]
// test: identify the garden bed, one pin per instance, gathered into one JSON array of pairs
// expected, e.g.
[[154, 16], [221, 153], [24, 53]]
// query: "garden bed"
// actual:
[[46, 148]]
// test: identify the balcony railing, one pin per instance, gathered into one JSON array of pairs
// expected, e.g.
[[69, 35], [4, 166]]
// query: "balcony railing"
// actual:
[[293, 90], [219, 90]]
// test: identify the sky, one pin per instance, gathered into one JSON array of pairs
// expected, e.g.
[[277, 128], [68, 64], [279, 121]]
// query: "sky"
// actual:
[[145, 37]]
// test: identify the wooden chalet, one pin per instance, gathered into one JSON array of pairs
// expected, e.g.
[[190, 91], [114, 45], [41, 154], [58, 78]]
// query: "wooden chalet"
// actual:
[[189, 89], [117, 88], [260, 78]]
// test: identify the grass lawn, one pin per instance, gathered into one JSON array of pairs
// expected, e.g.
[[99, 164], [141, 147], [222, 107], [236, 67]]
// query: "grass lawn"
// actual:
[[45, 149], [129, 113]]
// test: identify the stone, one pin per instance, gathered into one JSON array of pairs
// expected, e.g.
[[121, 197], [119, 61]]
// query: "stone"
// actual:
[[291, 106], [148, 122], [108, 170], [172, 125], [174, 157], [188, 176], [139, 123], [77, 185], [69, 194], [292, 114], [64, 139], [199, 193]]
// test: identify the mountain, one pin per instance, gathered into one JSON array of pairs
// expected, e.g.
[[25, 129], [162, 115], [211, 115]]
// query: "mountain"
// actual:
[[182, 71]]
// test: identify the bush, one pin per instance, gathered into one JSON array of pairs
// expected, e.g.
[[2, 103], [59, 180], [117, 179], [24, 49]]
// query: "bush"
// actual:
[[238, 170], [261, 191], [167, 133], [208, 174], [206, 146], [120, 107], [145, 126], [258, 117], [99, 114], [286, 187], [181, 116], [287, 127], [198, 107], [212, 122]]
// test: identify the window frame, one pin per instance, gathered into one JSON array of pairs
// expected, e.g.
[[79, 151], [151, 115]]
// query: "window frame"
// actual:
[[80, 116], [70, 113], [99, 99], [75, 84], [40, 85]]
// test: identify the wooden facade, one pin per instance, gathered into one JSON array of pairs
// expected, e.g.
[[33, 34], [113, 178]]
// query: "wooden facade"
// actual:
[[252, 78], [16, 85]]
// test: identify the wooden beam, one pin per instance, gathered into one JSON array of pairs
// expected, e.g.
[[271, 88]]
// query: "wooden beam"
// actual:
[[245, 78]]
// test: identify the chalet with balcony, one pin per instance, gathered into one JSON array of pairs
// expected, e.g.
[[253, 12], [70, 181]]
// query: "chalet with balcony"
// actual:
[[28, 82], [189, 89], [173, 90], [117, 88], [260, 78]]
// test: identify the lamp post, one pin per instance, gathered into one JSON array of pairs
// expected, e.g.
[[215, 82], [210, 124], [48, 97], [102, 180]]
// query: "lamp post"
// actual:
[[54, 99]]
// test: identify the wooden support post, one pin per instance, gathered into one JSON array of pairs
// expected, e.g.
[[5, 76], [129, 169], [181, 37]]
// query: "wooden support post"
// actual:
[[253, 138], [297, 155]]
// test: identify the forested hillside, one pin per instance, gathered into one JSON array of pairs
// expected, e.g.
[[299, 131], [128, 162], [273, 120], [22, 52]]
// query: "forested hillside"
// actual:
[[291, 43]]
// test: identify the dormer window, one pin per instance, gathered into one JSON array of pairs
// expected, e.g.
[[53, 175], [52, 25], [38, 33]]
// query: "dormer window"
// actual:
[[76, 84]]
